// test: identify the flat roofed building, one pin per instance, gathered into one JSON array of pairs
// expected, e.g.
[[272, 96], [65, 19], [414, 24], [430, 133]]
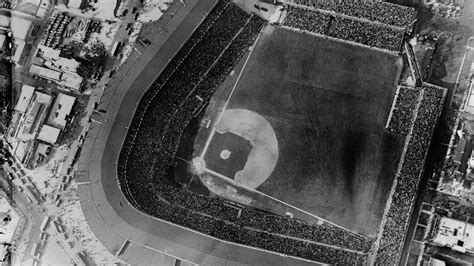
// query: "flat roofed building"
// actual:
[[45, 73], [469, 107], [60, 111], [3, 38], [18, 47], [25, 98], [35, 115], [42, 149], [43, 8], [20, 26], [32, 118], [48, 134], [456, 234], [48, 52], [4, 20], [62, 64]]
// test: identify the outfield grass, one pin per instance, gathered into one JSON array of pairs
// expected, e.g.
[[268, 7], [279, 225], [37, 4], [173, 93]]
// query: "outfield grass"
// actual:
[[328, 103]]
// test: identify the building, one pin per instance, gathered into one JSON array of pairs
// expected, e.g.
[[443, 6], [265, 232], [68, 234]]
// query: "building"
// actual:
[[3, 38], [25, 98], [456, 234], [57, 69], [60, 111], [71, 80], [30, 112], [48, 53], [54, 61], [20, 26], [48, 134], [37, 8], [45, 73]]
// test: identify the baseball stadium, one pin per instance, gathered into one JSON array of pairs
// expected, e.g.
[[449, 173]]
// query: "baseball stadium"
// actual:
[[292, 134]]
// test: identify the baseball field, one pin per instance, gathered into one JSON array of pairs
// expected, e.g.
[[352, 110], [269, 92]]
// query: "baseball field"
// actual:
[[324, 150]]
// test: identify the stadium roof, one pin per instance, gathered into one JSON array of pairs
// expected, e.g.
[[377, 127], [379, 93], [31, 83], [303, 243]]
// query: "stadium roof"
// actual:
[[25, 98], [49, 134], [61, 109]]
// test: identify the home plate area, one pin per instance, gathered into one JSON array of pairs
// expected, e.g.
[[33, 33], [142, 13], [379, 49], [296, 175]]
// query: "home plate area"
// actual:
[[227, 154]]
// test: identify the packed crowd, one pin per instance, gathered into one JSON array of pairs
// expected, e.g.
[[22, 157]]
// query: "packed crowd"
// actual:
[[188, 81], [366, 33], [344, 28], [308, 20], [383, 12], [403, 110], [406, 185], [233, 232]]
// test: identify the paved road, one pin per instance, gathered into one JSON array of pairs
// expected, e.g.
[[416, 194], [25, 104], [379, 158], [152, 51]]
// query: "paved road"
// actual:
[[35, 214], [109, 215]]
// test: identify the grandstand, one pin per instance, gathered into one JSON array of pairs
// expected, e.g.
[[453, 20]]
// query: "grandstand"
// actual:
[[399, 207], [341, 24], [370, 38], [370, 10], [404, 107]]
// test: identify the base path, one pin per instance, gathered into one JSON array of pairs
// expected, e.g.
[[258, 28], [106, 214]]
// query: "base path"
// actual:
[[131, 235]]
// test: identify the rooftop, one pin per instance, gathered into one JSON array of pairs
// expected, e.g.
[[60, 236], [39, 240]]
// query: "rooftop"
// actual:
[[45, 72], [19, 46], [49, 134], [455, 234], [61, 109], [71, 80], [25, 98]]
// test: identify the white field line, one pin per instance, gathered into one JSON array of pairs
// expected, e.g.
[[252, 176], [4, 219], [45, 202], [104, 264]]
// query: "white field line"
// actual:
[[228, 100], [279, 201], [200, 80]]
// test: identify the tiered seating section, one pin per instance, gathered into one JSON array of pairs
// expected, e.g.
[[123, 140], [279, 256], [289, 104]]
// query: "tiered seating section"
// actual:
[[375, 24]]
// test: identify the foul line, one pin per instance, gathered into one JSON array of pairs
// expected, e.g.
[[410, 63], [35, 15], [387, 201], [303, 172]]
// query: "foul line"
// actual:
[[281, 202], [228, 99]]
